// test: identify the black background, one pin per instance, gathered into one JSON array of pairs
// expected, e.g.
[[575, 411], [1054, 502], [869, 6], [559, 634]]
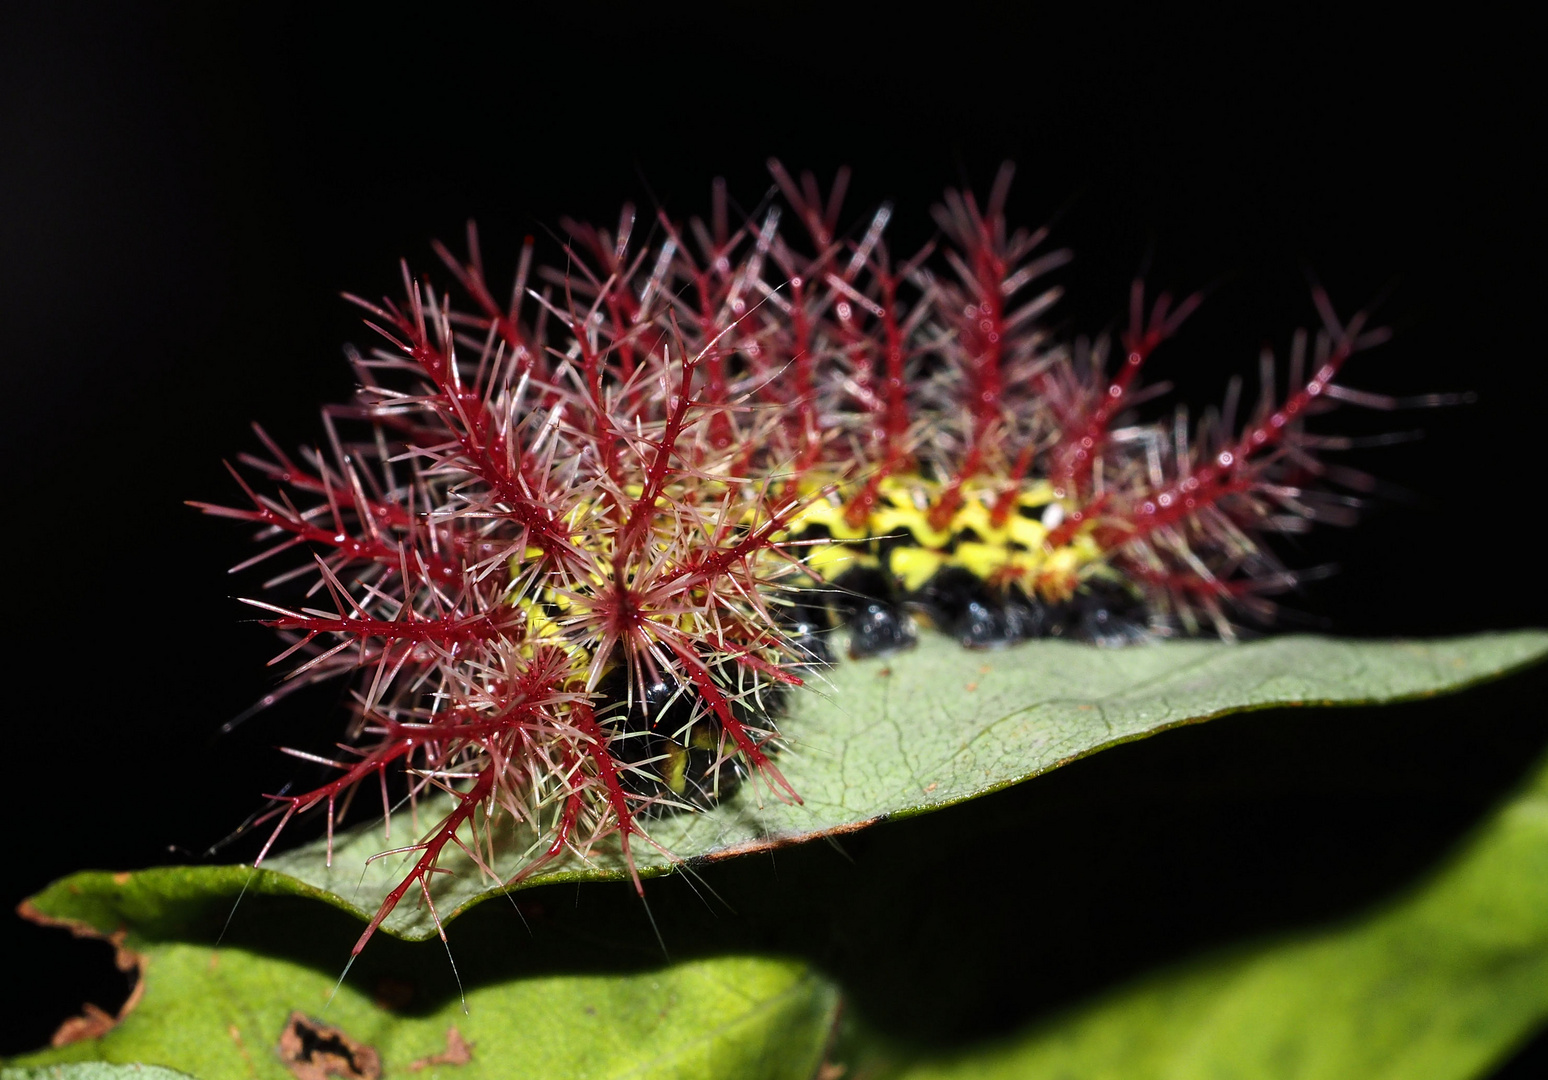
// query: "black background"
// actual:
[[184, 192]]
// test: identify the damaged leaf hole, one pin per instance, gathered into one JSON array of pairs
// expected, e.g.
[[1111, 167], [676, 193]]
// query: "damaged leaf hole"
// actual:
[[312, 1050], [105, 980]]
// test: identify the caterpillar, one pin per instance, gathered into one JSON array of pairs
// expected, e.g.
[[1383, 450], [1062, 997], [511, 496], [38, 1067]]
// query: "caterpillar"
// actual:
[[578, 546]]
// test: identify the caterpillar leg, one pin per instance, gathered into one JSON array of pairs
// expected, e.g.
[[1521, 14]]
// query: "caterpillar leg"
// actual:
[[963, 605], [867, 601], [1107, 614]]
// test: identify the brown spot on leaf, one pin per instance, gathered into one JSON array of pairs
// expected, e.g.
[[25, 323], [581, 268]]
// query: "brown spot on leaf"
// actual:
[[458, 1052], [122, 877], [235, 1034], [312, 1050]]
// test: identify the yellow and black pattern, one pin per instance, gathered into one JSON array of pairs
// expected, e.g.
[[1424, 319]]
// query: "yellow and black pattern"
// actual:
[[986, 579]]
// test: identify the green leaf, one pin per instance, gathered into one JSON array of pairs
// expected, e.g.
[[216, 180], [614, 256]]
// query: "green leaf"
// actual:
[[93, 1070], [939, 725], [890, 739], [1440, 984], [220, 1012]]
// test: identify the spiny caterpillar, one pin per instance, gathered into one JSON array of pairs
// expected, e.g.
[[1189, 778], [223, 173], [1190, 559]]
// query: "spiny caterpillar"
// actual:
[[580, 546]]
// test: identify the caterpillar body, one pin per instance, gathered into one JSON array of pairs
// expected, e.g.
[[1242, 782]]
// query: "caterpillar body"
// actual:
[[580, 546]]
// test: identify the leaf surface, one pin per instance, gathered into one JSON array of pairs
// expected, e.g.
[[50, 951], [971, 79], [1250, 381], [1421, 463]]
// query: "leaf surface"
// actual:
[[217, 1012], [93, 1070], [891, 738]]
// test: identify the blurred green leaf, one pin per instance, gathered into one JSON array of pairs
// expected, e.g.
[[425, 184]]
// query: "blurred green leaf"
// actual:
[[220, 1012], [1441, 984], [93, 1070]]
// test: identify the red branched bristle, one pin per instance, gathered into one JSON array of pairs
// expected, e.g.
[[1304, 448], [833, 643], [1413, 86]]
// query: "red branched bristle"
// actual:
[[620, 470]]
